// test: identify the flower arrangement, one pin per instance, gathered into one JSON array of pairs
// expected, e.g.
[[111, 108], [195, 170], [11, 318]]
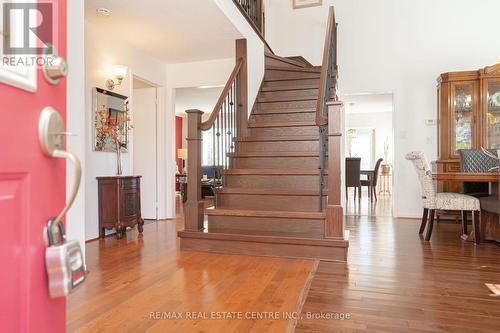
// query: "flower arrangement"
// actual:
[[112, 125], [112, 128]]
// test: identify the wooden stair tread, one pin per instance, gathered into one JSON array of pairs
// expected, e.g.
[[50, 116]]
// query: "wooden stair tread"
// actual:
[[287, 99], [294, 69], [265, 213], [290, 87], [300, 59], [289, 61], [283, 79], [283, 172], [283, 111], [274, 154], [278, 138], [269, 238], [296, 123], [269, 191]]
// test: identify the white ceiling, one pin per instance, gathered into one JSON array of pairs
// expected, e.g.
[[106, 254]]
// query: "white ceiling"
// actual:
[[368, 102], [171, 30], [203, 99]]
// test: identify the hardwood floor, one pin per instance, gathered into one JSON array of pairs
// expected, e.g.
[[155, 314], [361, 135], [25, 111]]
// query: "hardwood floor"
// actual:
[[393, 282], [135, 276], [365, 207]]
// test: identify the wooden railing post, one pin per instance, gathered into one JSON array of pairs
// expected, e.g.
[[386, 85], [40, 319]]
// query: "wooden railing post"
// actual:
[[334, 226], [193, 208], [242, 87]]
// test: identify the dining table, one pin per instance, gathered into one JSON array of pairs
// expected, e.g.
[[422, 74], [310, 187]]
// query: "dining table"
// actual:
[[487, 177]]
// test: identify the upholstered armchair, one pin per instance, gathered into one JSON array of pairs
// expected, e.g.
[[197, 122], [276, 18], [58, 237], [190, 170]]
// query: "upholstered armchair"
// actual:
[[433, 201]]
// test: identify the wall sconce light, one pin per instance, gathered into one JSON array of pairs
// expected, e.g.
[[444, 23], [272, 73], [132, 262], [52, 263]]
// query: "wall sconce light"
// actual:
[[119, 72]]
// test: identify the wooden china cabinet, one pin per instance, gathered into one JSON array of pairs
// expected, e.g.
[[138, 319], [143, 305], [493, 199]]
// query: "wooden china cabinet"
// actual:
[[468, 117]]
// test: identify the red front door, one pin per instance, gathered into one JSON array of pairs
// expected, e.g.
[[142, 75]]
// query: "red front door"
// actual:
[[32, 185]]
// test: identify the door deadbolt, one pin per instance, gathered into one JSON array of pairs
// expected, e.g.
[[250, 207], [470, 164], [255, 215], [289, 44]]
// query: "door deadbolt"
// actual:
[[55, 67]]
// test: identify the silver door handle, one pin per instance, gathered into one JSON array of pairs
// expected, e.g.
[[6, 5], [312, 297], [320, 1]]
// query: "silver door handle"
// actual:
[[51, 136]]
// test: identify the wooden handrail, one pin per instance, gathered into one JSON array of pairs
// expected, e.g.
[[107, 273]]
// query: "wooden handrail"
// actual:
[[258, 26], [206, 125], [321, 119]]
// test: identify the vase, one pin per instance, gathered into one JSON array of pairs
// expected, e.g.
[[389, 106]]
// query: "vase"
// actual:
[[118, 158], [386, 169]]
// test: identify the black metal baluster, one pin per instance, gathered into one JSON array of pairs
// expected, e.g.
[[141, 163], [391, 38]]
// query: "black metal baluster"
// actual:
[[231, 117], [226, 130], [214, 168], [235, 114], [237, 107], [218, 141], [228, 127], [322, 153]]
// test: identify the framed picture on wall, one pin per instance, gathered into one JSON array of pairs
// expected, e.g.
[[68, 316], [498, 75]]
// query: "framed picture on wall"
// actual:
[[297, 4], [110, 117]]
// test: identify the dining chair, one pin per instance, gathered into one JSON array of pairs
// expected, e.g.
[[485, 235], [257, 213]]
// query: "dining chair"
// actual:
[[474, 160], [432, 201], [353, 176], [372, 179], [491, 203]]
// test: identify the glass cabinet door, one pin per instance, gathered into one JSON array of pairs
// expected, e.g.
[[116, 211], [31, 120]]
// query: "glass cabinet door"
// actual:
[[493, 114], [462, 116]]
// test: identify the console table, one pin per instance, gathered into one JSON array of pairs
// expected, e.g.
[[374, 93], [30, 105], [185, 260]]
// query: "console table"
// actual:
[[119, 204]]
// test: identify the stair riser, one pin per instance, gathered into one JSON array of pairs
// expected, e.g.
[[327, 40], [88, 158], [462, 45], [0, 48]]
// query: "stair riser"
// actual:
[[286, 75], [302, 227], [291, 82], [284, 117], [305, 182], [284, 64], [313, 93], [270, 202], [276, 162], [277, 131], [286, 105], [280, 146]]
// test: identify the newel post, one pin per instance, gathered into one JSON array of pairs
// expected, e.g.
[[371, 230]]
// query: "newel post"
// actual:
[[334, 226], [193, 208]]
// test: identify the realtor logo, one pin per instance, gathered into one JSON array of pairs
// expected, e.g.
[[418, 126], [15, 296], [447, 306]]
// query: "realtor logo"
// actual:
[[28, 28]]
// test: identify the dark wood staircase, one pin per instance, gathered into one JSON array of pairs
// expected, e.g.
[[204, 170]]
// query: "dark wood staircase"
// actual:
[[269, 204]]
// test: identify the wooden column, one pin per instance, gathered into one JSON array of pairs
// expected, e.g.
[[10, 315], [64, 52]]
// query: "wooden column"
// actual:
[[334, 226], [242, 88], [193, 208]]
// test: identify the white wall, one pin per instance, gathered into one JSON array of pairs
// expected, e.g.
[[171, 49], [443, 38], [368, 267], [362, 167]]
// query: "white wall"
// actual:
[[255, 48], [101, 53], [397, 46], [75, 119]]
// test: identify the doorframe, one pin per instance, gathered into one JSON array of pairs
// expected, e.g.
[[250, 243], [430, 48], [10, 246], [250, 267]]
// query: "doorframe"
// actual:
[[76, 120], [394, 165], [157, 136]]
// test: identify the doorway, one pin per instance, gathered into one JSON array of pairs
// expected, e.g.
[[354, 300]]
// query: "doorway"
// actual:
[[369, 136], [145, 156]]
